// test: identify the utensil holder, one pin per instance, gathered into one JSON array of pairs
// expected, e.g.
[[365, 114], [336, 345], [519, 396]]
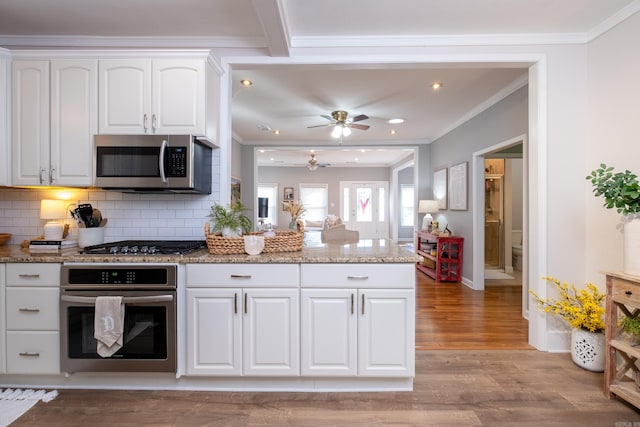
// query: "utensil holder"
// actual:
[[90, 236]]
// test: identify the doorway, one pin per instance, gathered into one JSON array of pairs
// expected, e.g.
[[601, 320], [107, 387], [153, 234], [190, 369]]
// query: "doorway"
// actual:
[[364, 207]]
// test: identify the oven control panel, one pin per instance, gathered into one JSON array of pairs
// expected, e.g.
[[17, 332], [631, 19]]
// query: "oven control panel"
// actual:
[[121, 275]]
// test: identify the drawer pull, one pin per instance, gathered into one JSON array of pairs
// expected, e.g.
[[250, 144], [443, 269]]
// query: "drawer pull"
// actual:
[[29, 310], [628, 293], [29, 276], [27, 354], [357, 277], [241, 276]]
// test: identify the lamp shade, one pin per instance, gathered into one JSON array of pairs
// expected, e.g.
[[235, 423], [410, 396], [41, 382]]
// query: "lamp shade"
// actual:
[[52, 209], [428, 206]]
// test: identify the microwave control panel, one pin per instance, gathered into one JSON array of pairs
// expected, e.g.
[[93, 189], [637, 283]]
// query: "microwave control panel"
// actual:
[[176, 161]]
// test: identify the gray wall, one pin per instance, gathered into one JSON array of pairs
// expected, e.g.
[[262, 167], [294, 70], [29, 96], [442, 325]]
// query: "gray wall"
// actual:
[[292, 177], [503, 121]]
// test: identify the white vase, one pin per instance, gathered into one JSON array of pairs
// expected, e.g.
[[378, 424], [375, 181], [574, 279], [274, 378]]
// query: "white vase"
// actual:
[[588, 349], [631, 253]]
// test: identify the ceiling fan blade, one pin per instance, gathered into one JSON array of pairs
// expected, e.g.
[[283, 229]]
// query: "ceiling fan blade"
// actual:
[[321, 126], [357, 126], [360, 117], [327, 117]]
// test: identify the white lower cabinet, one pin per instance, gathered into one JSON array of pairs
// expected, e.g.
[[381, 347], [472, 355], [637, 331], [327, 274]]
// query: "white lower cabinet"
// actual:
[[251, 331], [3, 365], [32, 318], [356, 322], [364, 332]]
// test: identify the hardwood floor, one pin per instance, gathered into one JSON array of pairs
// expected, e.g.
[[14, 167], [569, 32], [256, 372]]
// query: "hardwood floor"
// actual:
[[471, 370]]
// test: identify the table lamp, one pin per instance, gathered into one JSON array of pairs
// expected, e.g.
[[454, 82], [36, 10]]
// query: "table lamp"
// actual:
[[427, 207], [55, 212]]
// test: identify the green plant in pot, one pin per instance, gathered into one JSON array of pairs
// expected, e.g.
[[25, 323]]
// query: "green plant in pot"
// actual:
[[621, 191], [631, 325], [230, 221]]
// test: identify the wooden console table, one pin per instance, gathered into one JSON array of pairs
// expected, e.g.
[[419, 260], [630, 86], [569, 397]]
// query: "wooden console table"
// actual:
[[623, 295]]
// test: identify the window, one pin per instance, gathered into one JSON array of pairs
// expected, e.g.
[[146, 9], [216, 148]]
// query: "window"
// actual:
[[270, 191], [315, 198], [406, 205]]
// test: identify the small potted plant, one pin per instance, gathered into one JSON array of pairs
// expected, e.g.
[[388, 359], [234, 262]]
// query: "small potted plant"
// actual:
[[631, 325], [231, 221], [583, 310]]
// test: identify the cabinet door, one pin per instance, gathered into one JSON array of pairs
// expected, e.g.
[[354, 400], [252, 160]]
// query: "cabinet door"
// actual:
[[74, 121], [329, 332], [214, 332], [5, 108], [30, 123], [2, 325], [386, 341], [33, 352], [124, 96], [33, 309], [271, 332], [178, 97]]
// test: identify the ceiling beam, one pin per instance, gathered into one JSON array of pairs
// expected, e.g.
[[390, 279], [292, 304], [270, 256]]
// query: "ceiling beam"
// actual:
[[271, 16]]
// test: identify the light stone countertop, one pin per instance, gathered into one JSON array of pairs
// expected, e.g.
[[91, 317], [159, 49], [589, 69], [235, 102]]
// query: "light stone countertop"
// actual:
[[365, 251]]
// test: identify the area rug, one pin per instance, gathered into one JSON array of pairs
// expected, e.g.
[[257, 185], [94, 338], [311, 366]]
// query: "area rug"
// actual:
[[496, 275], [15, 402]]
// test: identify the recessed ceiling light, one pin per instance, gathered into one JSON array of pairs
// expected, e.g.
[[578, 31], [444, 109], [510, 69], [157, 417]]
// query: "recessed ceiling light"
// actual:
[[396, 121], [393, 131], [276, 131], [436, 86], [246, 82]]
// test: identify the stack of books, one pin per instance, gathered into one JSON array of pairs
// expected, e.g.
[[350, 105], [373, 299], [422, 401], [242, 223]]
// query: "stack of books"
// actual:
[[60, 247]]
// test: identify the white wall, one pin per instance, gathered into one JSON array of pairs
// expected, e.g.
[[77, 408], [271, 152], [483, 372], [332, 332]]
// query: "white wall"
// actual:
[[612, 137]]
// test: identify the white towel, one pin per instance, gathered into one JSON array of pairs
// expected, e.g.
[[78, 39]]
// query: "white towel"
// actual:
[[108, 325]]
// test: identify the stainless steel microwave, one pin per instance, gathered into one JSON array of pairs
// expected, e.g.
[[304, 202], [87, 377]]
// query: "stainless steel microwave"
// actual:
[[153, 163]]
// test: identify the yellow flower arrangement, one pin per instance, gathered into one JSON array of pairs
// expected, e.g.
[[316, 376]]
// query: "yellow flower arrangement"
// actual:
[[581, 309]]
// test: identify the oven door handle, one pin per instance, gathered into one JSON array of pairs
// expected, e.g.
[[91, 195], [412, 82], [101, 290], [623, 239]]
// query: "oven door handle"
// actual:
[[125, 300]]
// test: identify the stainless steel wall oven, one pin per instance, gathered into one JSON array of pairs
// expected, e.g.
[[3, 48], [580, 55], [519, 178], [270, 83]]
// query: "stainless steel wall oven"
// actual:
[[149, 298]]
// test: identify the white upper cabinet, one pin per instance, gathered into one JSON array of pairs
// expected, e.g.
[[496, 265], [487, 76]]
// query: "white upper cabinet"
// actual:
[[54, 105], [161, 96], [5, 107]]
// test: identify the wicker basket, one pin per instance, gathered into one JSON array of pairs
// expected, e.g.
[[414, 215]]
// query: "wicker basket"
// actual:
[[284, 241]]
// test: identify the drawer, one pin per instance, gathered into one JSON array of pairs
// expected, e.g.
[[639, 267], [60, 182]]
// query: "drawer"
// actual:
[[626, 292], [27, 274], [388, 276], [243, 275], [33, 309], [33, 352]]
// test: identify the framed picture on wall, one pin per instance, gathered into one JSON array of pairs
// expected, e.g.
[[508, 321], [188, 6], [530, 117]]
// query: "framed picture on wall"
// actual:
[[288, 194], [235, 190], [440, 188], [458, 187]]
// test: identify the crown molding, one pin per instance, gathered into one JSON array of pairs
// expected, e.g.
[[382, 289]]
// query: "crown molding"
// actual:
[[440, 40], [615, 19], [129, 42], [499, 96]]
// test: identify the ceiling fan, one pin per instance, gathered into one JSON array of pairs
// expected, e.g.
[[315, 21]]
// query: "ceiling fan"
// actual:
[[342, 123], [313, 164]]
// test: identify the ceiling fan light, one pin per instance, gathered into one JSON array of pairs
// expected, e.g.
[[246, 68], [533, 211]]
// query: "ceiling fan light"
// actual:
[[336, 132], [312, 167], [346, 131]]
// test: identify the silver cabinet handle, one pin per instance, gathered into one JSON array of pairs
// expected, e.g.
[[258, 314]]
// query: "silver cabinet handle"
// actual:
[[27, 354], [42, 172], [352, 303], [245, 303], [125, 300], [240, 276], [144, 118], [29, 276], [29, 310], [357, 277], [153, 123], [363, 304], [52, 175], [235, 303]]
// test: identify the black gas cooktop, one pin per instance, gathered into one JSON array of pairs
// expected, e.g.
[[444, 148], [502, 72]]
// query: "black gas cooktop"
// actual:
[[146, 247]]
